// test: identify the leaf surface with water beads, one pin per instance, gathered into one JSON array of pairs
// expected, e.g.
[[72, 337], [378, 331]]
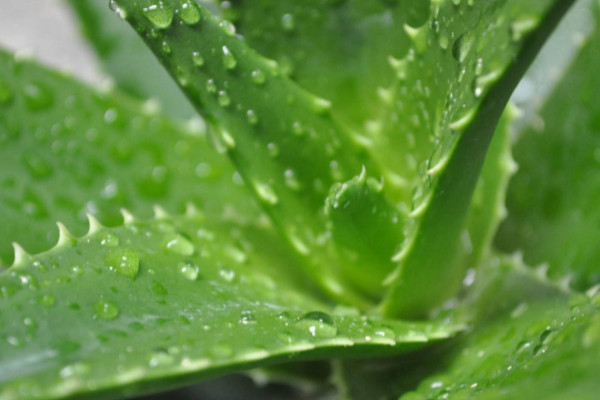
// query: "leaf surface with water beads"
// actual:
[[545, 349], [73, 150], [336, 49], [283, 140], [553, 199], [455, 108], [149, 305]]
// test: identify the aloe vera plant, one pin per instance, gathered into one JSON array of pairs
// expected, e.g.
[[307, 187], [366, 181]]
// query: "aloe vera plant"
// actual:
[[319, 202]]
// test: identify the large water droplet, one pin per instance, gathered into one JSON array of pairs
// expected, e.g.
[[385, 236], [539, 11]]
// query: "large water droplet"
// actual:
[[211, 86], [106, 310], [112, 4], [189, 270], [37, 97], [160, 358], [227, 274], [124, 261], [251, 117], [287, 22], [189, 12], [159, 15], [247, 318], [47, 300], [318, 324], [108, 239], [229, 60], [197, 59], [227, 27], [266, 193], [258, 77], [180, 245], [223, 99]]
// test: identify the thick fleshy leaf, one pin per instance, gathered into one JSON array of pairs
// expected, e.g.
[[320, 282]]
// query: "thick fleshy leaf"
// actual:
[[284, 141], [503, 287], [542, 350], [152, 305], [455, 108], [552, 200], [118, 49], [336, 49], [487, 205], [67, 150]]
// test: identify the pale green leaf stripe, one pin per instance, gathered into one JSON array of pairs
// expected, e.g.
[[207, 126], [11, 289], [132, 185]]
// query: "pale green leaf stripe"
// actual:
[[150, 305], [67, 150], [428, 271]]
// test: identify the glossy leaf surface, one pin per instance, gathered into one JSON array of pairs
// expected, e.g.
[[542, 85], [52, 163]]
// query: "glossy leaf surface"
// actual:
[[282, 139], [72, 151], [139, 307]]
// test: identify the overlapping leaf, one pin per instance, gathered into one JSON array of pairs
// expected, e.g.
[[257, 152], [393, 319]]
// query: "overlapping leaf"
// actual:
[[223, 91], [149, 305], [455, 108], [283, 139], [552, 201], [67, 151]]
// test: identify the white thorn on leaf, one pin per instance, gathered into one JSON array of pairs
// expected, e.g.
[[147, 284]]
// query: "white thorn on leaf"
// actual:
[[128, 217], [160, 213], [94, 225], [20, 254], [65, 238]]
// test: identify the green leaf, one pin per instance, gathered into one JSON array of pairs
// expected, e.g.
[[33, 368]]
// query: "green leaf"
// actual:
[[487, 206], [283, 139], [460, 114], [336, 49], [503, 287], [118, 49], [150, 305], [73, 151], [543, 349], [552, 200]]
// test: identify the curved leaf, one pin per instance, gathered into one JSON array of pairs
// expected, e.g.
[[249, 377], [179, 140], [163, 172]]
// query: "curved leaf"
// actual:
[[72, 150], [487, 205], [150, 305], [283, 139], [336, 49], [543, 349], [552, 200], [462, 122]]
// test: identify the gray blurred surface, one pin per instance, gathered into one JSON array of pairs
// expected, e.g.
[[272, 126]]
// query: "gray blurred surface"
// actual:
[[47, 30]]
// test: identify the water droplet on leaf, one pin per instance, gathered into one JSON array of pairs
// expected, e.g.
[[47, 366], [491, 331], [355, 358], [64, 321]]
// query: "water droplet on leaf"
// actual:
[[106, 310], [123, 261], [318, 324]]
